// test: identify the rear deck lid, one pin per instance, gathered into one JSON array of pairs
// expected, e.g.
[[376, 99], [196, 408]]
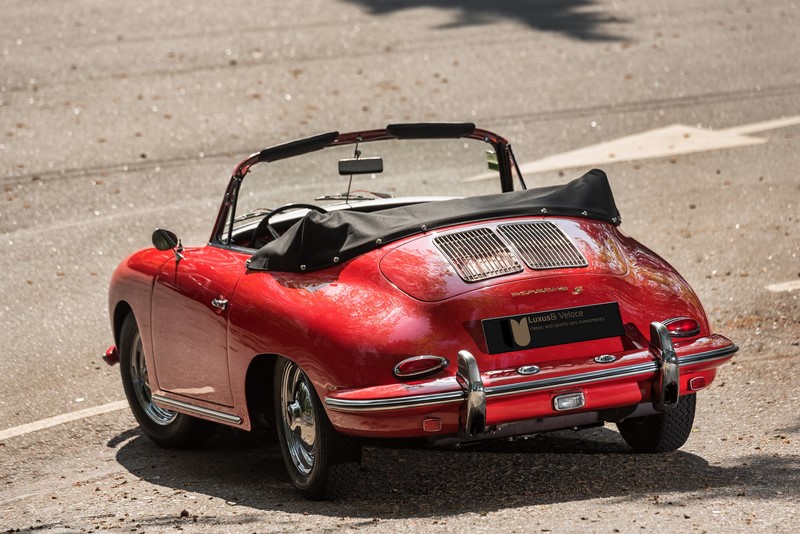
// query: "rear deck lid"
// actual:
[[444, 264]]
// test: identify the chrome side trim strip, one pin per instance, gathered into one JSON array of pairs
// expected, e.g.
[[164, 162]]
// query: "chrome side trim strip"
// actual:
[[396, 403], [205, 412], [708, 356]]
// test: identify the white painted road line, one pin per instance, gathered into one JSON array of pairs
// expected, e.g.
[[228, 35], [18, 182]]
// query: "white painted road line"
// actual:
[[784, 286], [61, 419], [763, 126], [662, 142]]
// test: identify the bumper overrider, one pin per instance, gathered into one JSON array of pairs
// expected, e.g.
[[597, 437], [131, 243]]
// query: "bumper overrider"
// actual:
[[475, 405]]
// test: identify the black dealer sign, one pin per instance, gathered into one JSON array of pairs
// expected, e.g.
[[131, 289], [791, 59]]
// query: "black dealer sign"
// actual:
[[553, 327]]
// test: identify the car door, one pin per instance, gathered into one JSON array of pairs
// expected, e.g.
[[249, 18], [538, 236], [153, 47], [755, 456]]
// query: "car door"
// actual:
[[190, 323]]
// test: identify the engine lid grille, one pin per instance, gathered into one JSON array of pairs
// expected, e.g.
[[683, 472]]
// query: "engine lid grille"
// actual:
[[542, 245], [478, 254]]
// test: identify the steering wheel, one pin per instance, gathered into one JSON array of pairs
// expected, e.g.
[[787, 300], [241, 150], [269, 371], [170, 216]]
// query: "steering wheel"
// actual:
[[264, 223]]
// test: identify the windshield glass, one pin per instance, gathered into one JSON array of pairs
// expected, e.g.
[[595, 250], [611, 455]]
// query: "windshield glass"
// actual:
[[411, 168], [389, 173]]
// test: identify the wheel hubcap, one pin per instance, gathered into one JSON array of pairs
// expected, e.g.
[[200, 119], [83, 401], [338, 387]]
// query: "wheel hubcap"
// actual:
[[141, 386], [298, 418]]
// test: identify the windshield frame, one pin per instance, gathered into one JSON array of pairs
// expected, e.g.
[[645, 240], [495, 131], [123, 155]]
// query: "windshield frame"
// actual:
[[505, 158]]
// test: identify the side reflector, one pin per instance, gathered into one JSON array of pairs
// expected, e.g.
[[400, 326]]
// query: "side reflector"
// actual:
[[419, 366], [111, 357], [570, 401], [432, 424], [697, 383], [682, 327]]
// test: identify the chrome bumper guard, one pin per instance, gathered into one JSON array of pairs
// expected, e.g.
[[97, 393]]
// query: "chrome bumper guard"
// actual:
[[666, 389], [474, 412]]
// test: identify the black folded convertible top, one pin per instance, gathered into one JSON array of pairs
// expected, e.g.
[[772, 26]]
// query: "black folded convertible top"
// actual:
[[321, 240]]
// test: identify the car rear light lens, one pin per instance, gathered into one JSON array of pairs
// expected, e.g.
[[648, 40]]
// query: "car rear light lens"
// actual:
[[570, 401], [419, 366], [682, 327]]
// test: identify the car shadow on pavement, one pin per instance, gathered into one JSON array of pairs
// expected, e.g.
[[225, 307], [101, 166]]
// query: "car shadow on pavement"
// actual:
[[247, 469], [579, 19]]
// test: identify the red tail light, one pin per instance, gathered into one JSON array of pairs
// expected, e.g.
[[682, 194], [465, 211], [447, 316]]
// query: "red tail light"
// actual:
[[419, 366], [682, 327]]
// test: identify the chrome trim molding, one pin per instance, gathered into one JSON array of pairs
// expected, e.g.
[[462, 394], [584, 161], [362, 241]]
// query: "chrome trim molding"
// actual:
[[393, 403], [205, 412], [571, 380], [396, 403], [708, 356]]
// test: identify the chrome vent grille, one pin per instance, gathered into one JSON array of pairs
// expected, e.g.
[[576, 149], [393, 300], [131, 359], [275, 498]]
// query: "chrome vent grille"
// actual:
[[478, 254], [542, 245]]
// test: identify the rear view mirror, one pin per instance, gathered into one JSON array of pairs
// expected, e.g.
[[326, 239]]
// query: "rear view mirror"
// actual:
[[360, 166], [164, 239]]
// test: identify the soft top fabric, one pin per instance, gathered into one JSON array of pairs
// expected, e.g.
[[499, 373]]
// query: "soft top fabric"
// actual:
[[321, 240]]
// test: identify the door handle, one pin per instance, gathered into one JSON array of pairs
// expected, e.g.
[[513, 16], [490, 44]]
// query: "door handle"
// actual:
[[220, 303]]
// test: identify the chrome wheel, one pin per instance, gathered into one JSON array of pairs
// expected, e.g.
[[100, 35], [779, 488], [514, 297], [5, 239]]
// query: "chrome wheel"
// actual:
[[141, 385], [298, 418], [322, 463]]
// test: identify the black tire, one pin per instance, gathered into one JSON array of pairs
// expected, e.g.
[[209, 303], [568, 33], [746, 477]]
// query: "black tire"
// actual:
[[322, 463], [662, 432], [165, 427]]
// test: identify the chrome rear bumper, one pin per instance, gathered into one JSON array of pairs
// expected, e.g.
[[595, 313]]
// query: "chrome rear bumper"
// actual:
[[472, 392]]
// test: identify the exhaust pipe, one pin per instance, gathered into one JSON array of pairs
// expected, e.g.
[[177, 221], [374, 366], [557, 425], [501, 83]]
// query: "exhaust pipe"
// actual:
[[666, 390]]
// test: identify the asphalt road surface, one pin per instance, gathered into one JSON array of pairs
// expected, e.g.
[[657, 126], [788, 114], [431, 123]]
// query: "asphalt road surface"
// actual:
[[117, 117]]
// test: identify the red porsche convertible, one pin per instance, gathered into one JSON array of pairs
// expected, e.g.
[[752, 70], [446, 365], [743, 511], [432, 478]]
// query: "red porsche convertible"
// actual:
[[377, 312]]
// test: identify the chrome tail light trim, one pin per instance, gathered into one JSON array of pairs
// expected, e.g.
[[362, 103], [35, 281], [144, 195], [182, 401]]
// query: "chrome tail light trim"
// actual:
[[437, 364]]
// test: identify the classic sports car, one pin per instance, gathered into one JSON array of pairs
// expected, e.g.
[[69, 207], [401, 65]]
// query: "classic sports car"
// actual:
[[394, 315]]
